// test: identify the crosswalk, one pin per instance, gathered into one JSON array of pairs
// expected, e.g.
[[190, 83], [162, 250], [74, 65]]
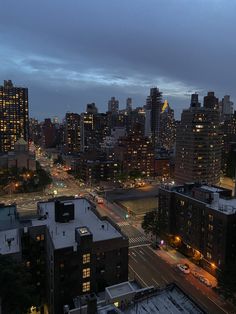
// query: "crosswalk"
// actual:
[[138, 240], [123, 223], [135, 237]]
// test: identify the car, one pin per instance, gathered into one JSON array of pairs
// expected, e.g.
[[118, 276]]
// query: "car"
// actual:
[[184, 268], [205, 281], [155, 246], [196, 274]]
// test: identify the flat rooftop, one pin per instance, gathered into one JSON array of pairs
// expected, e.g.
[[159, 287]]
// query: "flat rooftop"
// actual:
[[63, 234], [8, 217], [169, 301], [120, 289], [9, 241]]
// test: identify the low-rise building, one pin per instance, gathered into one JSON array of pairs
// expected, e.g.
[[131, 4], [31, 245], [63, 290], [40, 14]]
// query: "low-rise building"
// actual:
[[125, 298], [19, 158], [69, 249], [201, 220]]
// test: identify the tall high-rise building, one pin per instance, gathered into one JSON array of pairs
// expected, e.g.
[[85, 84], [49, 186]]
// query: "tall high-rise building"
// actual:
[[91, 108], [129, 104], [198, 145], [226, 108], [113, 105], [14, 117], [154, 104], [210, 101], [72, 132], [167, 127]]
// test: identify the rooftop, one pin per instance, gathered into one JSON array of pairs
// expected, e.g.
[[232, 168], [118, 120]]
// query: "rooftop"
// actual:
[[120, 289], [168, 301], [8, 217], [219, 198], [63, 234], [9, 241]]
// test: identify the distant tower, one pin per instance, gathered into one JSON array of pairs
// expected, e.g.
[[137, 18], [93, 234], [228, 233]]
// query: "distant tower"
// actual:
[[210, 101], [14, 116], [129, 104], [154, 104], [198, 144], [226, 108], [194, 101], [113, 105], [91, 108], [72, 132], [167, 127]]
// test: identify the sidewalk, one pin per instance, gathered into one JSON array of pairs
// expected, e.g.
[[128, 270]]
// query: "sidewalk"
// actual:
[[173, 257]]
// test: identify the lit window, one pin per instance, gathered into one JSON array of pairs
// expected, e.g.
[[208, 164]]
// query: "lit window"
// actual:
[[209, 255], [210, 227], [86, 258], [86, 272], [86, 286]]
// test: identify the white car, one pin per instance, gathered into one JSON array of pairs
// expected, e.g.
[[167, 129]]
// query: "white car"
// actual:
[[184, 268]]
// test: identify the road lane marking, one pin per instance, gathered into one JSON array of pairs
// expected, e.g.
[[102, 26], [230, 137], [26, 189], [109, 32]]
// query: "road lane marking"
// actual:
[[145, 284], [217, 305], [166, 281], [158, 285], [140, 245], [134, 259]]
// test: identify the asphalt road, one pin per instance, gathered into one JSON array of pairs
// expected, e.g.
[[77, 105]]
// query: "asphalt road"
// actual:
[[150, 270]]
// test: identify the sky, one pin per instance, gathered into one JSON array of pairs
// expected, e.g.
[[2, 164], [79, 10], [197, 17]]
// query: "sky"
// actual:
[[73, 52]]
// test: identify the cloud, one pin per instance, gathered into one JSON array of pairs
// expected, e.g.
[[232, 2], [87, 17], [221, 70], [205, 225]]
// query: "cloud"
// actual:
[[75, 52]]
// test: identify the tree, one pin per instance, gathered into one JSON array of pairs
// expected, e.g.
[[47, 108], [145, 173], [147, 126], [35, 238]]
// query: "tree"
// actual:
[[227, 280], [151, 223], [17, 292]]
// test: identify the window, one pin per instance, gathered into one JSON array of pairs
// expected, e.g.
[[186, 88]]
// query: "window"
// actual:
[[86, 272], [209, 255], [86, 286], [40, 237], [210, 227], [210, 217], [86, 258]]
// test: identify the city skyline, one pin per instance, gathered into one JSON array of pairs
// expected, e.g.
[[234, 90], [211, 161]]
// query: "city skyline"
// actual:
[[69, 56]]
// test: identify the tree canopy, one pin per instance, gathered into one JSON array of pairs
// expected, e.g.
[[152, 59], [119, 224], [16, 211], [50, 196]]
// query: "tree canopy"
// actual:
[[150, 223], [17, 291]]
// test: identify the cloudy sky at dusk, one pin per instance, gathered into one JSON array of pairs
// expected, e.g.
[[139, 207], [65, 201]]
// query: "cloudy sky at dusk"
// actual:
[[73, 52]]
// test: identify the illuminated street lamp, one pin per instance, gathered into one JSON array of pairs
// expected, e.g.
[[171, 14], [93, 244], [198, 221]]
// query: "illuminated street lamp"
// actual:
[[213, 265]]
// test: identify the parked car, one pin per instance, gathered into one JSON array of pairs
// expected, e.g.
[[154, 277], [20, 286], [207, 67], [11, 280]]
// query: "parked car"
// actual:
[[205, 281], [155, 246], [184, 268]]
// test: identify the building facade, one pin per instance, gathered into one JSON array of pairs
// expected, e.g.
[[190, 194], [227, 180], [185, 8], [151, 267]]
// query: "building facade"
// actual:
[[72, 133], [201, 220], [154, 104], [14, 117], [198, 145], [69, 248]]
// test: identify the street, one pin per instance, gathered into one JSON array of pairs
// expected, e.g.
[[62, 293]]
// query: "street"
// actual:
[[149, 269]]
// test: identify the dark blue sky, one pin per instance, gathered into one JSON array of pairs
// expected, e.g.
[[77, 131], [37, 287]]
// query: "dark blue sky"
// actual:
[[72, 52]]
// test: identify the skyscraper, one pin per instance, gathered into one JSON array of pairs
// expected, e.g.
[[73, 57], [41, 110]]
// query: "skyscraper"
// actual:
[[113, 105], [14, 118], [154, 104], [167, 127], [72, 132], [198, 145], [226, 108], [129, 104], [210, 101]]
